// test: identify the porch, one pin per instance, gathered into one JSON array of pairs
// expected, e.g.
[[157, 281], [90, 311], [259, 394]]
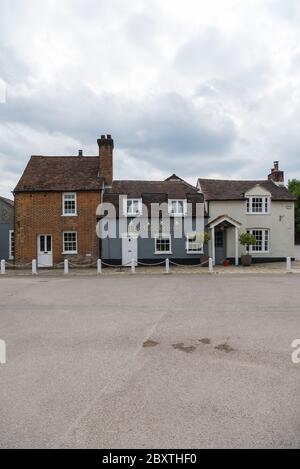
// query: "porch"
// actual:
[[224, 233]]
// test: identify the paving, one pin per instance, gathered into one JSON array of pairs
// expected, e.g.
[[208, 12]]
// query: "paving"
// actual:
[[150, 361], [263, 268]]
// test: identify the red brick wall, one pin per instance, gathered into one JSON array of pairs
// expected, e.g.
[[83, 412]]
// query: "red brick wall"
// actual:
[[41, 213]]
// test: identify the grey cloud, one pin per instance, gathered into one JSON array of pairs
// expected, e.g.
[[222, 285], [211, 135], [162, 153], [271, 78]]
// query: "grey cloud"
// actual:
[[210, 53], [168, 124], [210, 106]]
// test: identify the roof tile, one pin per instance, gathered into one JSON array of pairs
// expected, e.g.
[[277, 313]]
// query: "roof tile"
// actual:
[[216, 189], [60, 173]]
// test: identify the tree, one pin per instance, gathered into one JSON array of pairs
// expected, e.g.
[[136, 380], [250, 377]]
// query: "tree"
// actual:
[[294, 188], [247, 239]]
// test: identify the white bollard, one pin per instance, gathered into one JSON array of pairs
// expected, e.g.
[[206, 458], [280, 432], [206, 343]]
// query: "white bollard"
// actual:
[[2, 267], [288, 264], [99, 266], [133, 266], [167, 265], [210, 265], [66, 266], [34, 271]]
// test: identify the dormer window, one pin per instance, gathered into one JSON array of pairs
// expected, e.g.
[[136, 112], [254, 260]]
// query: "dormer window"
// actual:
[[258, 205], [133, 207], [177, 207]]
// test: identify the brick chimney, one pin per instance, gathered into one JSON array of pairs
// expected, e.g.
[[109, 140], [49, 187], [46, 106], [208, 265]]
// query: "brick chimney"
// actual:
[[276, 175], [106, 146]]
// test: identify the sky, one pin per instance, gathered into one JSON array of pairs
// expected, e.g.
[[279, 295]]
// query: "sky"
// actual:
[[198, 88]]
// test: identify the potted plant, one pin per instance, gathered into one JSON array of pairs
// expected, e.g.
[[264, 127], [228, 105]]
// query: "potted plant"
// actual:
[[247, 239]]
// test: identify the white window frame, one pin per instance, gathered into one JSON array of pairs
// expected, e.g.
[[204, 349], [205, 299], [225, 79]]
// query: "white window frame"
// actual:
[[125, 206], [188, 243], [266, 203], [64, 199], [177, 213], [64, 250], [162, 235], [263, 230], [10, 244]]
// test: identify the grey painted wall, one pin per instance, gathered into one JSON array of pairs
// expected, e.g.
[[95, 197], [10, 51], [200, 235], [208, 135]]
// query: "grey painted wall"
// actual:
[[6, 224], [112, 248]]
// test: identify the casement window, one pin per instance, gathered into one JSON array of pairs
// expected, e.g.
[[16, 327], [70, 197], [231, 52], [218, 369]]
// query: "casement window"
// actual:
[[258, 205], [70, 242], [69, 204], [177, 207], [163, 244], [193, 244], [132, 207], [11, 242], [262, 240]]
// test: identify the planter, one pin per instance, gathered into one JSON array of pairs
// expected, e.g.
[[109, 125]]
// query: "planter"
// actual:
[[246, 260]]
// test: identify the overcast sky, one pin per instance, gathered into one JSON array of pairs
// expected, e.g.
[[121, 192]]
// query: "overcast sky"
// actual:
[[200, 88]]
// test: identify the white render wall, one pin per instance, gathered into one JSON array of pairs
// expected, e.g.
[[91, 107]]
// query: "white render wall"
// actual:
[[281, 232]]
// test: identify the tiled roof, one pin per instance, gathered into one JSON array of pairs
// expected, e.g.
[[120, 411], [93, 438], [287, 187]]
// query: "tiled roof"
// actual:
[[60, 173], [7, 201], [173, 188], [216, 189], [154, 191]]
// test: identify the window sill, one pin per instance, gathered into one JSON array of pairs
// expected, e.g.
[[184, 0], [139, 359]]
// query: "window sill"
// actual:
[[69, 215], [258, 213], [69, 253], [163, 252], [194, 252], [259, 252]]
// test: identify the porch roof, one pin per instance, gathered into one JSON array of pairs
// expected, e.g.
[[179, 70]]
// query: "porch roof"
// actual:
[[221, 218]]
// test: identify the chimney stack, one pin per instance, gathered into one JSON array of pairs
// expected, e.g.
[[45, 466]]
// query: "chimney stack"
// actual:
[[276, 175], [106, 146], [80, 153]]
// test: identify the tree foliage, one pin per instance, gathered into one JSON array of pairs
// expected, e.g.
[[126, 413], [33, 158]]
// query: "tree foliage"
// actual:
[[247, 239], [294, 188]]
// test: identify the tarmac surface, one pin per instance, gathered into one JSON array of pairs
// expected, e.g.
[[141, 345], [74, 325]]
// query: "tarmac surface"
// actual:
[[150, 361]]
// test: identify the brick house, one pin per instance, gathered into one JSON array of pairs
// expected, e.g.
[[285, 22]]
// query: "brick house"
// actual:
[[55, 206], [56, 202]]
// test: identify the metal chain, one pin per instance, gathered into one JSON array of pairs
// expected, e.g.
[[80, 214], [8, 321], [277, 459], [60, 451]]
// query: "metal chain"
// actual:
[[189, 265], [150, 264]]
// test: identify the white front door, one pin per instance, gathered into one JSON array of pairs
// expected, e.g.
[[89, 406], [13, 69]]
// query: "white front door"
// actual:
[[129, 250], [45, 256]]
